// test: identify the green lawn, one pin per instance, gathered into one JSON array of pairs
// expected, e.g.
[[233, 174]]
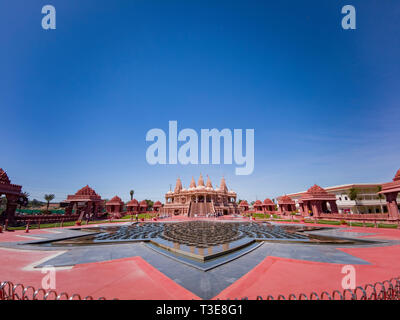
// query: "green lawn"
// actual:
[[141, 216], [72, 223], [355, 224]]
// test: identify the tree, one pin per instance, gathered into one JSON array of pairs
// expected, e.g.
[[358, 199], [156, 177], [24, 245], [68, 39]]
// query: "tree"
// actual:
[[132, 192], [23, 199], [149, 203], [353, 194], [380, 196], [48, 198], [35, 203], [3, 204]]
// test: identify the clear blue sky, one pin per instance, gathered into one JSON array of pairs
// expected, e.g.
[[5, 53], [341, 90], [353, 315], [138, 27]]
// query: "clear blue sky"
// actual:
[[76, 102]]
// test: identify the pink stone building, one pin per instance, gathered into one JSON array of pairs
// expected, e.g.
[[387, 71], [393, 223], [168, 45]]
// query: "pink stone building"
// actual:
[[13, 195], [132, 207], [391, 190], [115, 207], [269, 206], [85, 201], [200, 199], [286, 205], [157, 206], [258, 206], [317, 201]]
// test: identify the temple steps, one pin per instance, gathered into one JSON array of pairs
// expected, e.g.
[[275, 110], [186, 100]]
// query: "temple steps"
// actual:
[[201, 208]]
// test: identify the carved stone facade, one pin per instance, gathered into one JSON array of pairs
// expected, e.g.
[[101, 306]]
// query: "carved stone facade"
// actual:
[[317, 201], [243, 206], [13, 195], [132, 206], [200, 200], [286, 205], [115, 207], [269, 206], [85, 201]]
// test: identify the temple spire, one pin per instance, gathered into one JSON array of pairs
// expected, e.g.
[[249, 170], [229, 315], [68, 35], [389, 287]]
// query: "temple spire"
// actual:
[[192, 183], [201, 181], [223, 186], [209, 184], [178, 186]]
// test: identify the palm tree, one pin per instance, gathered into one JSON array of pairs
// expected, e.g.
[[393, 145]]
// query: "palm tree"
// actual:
[[380, 196], [353, 194], [48, 198], [132, 193]]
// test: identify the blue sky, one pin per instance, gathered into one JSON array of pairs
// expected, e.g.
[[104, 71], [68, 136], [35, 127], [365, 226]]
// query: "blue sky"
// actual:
[[76, 102]]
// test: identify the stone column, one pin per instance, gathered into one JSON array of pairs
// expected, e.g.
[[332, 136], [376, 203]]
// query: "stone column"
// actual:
[[76, 208], [393, 209], [316, 208], [301, 209], [88, 208], [68, 210], [11, 207]]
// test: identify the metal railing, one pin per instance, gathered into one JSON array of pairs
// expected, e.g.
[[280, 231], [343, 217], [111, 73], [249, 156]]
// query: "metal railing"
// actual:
[[386, 290], [9, 291]]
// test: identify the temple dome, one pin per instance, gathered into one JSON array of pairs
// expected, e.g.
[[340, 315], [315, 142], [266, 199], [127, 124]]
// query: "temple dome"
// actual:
[[157, 204], [268, 202], [285, 198], [315, 189], [133, 202], [143, 203], [243, 203], [257, 203], [3, 177], [86, 191], [115, 201], [397, 176]]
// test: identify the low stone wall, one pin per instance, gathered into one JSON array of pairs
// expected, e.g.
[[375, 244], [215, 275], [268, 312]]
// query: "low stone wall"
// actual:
[[362, 218], [46, 218]]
